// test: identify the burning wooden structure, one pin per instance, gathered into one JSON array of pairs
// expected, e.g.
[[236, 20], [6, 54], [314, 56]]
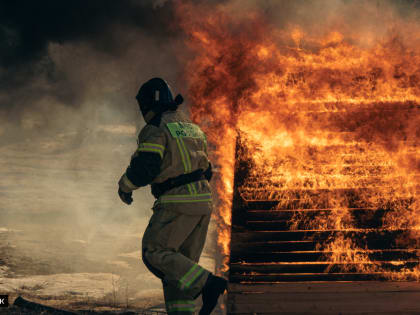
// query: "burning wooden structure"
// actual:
[[322, 183], [343, 218], [333, 233]]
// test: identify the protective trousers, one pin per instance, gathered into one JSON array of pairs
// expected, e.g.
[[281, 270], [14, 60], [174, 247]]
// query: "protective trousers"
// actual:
[[172, 245]]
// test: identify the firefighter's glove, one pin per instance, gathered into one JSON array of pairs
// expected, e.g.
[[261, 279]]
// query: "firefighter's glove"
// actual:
[[125, 197]]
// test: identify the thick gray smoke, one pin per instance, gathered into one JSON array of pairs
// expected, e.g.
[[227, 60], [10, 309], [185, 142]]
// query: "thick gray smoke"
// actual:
[[68, 77], [69, 73], [80, 55]]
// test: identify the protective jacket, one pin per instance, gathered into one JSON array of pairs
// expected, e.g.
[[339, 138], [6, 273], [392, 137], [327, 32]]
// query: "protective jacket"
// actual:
[[169, 146]]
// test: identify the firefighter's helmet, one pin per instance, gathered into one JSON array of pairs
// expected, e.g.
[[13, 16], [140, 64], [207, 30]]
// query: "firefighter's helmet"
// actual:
[[155, 97]]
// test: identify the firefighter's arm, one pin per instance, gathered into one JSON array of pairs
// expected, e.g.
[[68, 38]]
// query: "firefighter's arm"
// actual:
[[145, 163]]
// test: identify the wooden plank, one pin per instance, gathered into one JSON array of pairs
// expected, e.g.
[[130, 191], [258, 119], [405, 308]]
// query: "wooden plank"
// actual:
[[329, 303], [304, 219], [308, 224], [242, 236], [380, 255], [371, 297], [275, 312], [331, 287], [314, 267], [285, 246], [299, 199], [273, 278], [264, 214]]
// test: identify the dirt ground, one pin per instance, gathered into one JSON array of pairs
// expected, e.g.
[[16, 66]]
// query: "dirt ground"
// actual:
[[66, 240]]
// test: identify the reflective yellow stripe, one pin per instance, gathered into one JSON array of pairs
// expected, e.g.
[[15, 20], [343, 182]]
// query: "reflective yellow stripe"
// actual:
[[194, 188], [182, 150], [190, 189], [190, 277], [180, 305], [206, 197], [194, 278], [182, 155], [189, 168], [152, 145], [181, 281]]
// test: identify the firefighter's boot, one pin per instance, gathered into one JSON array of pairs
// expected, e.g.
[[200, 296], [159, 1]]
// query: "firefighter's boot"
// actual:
[[214, 287]]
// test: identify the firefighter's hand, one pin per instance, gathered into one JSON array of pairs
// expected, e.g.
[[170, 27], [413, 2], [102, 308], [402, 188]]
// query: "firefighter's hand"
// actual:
[[125, 197]]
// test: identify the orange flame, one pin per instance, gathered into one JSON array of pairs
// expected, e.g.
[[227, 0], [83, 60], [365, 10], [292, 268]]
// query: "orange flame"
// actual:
[[318, 112]]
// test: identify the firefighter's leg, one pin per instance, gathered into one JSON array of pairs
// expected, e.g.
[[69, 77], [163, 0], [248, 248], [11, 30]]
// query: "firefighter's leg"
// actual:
[[176, 301], [194, 244], [162, 240], [192, 247]]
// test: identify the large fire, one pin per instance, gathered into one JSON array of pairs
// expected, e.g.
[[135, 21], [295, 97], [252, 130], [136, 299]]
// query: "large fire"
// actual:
[[337, 111]]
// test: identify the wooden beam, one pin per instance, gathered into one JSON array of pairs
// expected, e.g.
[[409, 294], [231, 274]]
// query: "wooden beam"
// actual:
[[325, 298]]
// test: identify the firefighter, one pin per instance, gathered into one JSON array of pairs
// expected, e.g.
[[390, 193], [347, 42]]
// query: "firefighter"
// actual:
[[172, 157]]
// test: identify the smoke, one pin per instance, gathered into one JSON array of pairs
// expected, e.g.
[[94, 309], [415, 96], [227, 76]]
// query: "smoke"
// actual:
[[81, 55], [27, 29], [69, 73], [317, 17]]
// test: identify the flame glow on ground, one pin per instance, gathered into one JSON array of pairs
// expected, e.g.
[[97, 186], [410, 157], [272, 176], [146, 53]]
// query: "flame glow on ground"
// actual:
[[337, 111]]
